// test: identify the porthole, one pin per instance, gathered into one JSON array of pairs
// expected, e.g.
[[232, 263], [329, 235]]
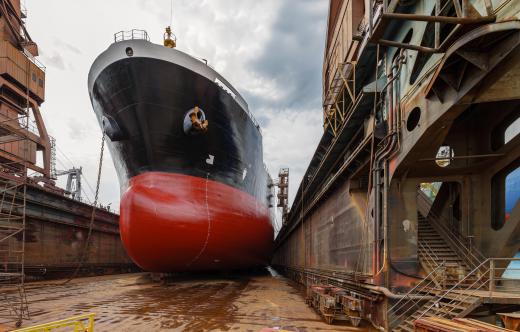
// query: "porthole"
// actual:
[[129, 51], [444, 156], [413, 119]]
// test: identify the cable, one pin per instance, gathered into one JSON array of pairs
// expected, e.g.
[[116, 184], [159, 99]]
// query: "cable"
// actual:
[[59, 150], [88, 183], [171, 13], [92, 216], [89, 201]]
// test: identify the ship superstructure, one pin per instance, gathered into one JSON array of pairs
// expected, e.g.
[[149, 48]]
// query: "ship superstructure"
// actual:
[[411, 205]]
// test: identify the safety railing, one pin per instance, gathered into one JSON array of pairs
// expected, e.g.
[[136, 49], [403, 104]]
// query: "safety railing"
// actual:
[[417, 296], [134, 34], [494, 282], [83, 323], [461, 244], [33, 59], [429, 255]]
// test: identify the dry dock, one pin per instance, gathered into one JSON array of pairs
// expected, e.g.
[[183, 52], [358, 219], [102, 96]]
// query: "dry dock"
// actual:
[[133, 302]]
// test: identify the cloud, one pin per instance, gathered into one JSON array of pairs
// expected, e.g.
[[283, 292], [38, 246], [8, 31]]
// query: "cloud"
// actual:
[[290, 62], [270, 50], [55, 60], [290, 140], [66, 46], [78, 130]]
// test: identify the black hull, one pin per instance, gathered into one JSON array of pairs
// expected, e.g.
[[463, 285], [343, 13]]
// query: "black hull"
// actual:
[[149, 98]]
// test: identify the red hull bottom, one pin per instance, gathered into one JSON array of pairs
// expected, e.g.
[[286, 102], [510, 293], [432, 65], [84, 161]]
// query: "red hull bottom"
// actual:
[[175, 223]]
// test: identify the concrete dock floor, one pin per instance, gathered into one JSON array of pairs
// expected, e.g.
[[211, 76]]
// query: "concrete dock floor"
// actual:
[[133, 302]]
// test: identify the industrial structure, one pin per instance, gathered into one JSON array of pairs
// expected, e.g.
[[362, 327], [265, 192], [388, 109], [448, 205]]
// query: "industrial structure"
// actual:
[[283, 193], [43, 228], [410, 205]]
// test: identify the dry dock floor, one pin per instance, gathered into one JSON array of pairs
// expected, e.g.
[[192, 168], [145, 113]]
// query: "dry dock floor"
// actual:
[[133, 302]]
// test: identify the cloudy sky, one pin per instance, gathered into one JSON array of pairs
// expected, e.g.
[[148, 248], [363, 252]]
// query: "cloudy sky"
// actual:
[[270, 50]]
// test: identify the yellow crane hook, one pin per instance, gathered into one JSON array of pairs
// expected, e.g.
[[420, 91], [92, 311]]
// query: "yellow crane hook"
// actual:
[[170, 40]]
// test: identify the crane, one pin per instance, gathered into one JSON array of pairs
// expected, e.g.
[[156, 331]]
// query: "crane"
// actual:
[[73, 187]]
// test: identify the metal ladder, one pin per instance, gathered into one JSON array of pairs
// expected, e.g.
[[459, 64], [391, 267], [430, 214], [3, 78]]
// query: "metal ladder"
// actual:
[[13, 301]]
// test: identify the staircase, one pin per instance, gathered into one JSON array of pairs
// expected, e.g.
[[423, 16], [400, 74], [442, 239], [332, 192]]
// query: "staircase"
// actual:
[[451, 306], [455, 271], [433, 250]]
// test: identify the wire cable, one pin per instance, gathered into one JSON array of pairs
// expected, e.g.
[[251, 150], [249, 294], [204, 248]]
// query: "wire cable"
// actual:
[[84, 253], [171, 13], [64, 155]]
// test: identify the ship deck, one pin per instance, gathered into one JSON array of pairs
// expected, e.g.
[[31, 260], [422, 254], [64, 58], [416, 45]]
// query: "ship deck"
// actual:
[[133, 302]]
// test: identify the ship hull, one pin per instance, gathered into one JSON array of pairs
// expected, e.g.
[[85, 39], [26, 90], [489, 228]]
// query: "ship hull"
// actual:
[[191, 200], [175, 222]]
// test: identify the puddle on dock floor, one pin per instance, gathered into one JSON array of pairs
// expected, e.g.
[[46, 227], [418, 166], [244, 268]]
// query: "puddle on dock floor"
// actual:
[[133, 302]]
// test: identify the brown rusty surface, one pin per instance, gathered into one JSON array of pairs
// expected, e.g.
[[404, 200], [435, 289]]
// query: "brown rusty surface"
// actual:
[[133, 302], [336, 238]]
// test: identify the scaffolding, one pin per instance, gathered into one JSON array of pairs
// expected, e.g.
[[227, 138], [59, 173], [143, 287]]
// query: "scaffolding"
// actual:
[[340, 96], [22, 135], [13, 188]]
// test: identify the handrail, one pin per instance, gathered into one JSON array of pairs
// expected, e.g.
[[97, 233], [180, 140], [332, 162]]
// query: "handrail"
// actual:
[[421, 290], [33, 59], [80, 323], [134, 34], [429, 251], [457, 236], [470, 290], [470, 254], [436, 303]]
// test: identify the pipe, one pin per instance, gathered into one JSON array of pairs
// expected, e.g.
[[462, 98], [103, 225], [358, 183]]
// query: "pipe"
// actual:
[[388, 293], [381, 289], [386, 151]]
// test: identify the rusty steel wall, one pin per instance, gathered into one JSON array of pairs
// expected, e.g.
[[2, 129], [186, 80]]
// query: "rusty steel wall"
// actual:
[[440, 104], [56, 235], [337, 236], [58, 246]]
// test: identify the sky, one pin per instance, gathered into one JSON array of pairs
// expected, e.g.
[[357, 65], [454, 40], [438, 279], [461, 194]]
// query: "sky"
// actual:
[[270, 50]]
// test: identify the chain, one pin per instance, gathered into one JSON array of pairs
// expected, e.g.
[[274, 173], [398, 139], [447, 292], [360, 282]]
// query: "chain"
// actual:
[[92, 216]]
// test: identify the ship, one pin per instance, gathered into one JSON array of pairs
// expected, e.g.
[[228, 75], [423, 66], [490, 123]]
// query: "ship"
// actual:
[[195, 193]]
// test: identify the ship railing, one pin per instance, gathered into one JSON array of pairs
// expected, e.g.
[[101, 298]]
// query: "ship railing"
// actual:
[[134, 34], [252, 117]]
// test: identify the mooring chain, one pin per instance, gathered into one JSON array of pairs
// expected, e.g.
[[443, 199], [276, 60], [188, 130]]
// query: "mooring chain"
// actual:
[[92, 216]]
